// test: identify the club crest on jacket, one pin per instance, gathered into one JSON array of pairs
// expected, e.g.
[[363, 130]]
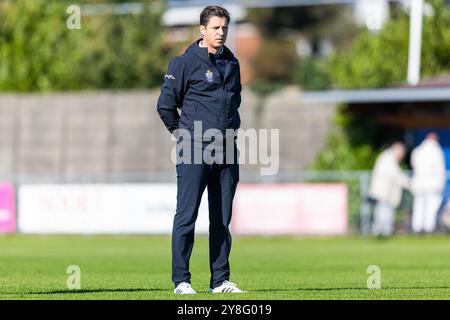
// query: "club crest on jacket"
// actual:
[[209, 76]]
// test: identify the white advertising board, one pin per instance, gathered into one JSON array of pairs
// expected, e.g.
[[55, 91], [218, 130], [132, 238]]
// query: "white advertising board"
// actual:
[[101, 208]]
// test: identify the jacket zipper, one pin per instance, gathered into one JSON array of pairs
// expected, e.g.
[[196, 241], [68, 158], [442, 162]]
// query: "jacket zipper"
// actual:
[[225, 108], [225, 98]]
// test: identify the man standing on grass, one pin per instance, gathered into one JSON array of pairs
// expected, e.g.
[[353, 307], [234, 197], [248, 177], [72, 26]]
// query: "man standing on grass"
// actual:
[[386, 187], [204, 83], [428, 183]]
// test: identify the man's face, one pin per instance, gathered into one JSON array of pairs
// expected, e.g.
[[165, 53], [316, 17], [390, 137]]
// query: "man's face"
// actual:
[[215, 32]]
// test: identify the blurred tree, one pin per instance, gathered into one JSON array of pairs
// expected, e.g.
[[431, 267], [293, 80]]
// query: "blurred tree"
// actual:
[[276, 62], [313, 25], [124, 51], [314, 22], [39, 53], [273, 68], [349, 144], [378, 60], [313, 74], [381, 59]]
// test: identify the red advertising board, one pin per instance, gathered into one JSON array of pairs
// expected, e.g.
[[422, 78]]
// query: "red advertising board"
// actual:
[[7, 209], [303, 209]]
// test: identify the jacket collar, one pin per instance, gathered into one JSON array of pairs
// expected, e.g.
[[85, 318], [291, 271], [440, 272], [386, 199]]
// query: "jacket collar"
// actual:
[[203, 52]]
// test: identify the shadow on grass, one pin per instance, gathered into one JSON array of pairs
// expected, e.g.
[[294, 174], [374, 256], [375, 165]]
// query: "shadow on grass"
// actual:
[[81, 291], [343, 289], [130, 290]]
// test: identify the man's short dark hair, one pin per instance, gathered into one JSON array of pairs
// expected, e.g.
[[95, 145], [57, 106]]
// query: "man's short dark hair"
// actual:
[[213, 11]]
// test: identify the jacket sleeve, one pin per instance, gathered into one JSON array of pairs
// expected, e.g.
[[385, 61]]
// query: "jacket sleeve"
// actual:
[[239, 87], [172, 94]]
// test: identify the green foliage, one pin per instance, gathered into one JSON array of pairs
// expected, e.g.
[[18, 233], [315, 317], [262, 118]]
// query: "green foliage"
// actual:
[[347, 147], [436, 41], [344, 156], [313, 74], [124, 51], [39, 53], [381, 59], [353, 144], [375, 60]]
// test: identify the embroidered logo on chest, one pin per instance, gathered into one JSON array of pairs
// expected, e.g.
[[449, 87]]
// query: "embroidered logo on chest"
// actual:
[[209, 76]]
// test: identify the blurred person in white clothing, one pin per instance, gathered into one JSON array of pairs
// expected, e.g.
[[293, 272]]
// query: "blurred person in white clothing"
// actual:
[[428, 182], [386, 187]]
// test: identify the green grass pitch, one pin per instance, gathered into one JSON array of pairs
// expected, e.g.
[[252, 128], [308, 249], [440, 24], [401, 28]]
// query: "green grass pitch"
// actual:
[[138, 267]]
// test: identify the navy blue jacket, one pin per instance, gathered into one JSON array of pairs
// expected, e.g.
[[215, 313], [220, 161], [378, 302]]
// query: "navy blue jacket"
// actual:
[[194, 84]]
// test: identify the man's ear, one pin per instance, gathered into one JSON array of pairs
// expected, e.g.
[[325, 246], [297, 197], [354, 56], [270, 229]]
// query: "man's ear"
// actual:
[[202, 30]]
